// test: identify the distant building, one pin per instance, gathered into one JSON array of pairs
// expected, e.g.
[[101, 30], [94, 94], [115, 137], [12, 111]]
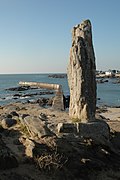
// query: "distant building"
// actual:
[[99, 72], [110, 72]]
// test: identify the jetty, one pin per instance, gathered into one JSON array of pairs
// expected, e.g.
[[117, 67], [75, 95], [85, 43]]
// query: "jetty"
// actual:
[[58, 101]]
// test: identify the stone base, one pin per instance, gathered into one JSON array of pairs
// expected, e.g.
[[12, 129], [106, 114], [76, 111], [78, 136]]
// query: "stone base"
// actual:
[[98, 131]]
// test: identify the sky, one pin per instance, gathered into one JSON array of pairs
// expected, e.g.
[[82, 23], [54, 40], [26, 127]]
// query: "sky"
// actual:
[[35, 35]]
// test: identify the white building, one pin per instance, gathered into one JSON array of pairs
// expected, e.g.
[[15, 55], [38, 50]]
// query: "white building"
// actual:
[[110, 73]]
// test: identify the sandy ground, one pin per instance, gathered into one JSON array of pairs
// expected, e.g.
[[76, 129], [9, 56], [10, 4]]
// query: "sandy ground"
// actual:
[[112, 116], [112, 113]]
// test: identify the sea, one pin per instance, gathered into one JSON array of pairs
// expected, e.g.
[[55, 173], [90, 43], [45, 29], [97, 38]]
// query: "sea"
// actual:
[[108, 93]]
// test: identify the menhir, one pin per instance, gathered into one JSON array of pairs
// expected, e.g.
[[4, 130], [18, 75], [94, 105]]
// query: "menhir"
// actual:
[[81, 74]]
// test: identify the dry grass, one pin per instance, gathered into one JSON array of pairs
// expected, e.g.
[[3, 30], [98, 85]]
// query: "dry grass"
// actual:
[[24, 130], [50, 161]]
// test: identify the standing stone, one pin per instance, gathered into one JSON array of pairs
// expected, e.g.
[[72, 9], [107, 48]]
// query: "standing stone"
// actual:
[[81, 74]]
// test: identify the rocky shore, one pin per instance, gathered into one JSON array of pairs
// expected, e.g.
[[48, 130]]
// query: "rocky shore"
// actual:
[[51, 154], [57, 75], [40, 139]]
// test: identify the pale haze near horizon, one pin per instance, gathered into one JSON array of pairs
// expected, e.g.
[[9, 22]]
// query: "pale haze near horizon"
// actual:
[[35, 35]]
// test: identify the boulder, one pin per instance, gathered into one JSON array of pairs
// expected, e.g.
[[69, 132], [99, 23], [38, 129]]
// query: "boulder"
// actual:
[[36, 127], [8, 122], [98, 131]]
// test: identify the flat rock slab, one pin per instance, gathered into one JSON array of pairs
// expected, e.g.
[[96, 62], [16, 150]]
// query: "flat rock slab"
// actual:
[[98, 130], [36, 127]]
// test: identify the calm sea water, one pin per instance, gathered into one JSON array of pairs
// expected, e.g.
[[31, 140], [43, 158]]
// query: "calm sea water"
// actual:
[[108, 92]]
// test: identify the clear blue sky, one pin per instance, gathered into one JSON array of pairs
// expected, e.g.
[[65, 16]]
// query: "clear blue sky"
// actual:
[[35, 35]]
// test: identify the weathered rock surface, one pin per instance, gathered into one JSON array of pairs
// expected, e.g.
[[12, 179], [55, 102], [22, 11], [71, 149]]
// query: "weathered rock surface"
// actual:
[[98, 131], [81, 74], [30, 145], [36, 127]]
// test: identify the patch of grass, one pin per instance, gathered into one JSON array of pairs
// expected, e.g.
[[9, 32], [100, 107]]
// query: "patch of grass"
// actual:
[[50, 161], [75, 120], [24, 130]]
